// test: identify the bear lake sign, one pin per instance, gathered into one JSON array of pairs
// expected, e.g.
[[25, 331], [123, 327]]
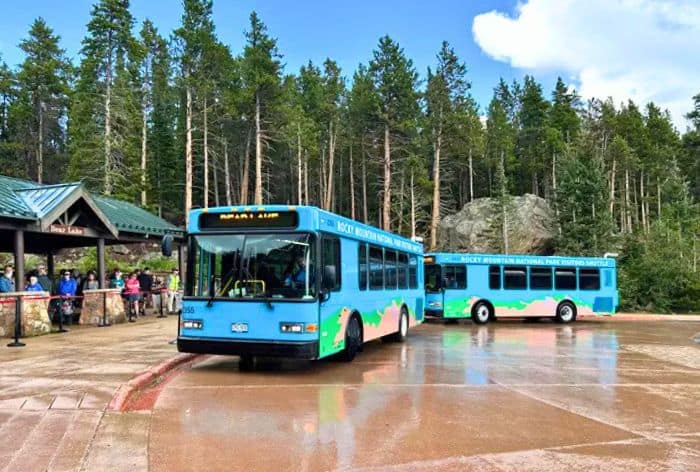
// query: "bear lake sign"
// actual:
[[67, 230]]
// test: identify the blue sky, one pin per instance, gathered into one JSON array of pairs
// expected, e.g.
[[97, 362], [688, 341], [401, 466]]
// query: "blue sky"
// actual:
[[645, 50], [346, 31]]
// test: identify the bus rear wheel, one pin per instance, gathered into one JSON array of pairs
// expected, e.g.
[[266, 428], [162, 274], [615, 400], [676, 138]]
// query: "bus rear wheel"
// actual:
[[353, 340], [481, 313], [402, 333], [247, 363], [566, 312]]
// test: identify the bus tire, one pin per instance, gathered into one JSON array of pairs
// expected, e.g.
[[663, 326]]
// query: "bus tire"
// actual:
[[566, 312], [402, 333], [353, 339], [247, 363], [482, 312]]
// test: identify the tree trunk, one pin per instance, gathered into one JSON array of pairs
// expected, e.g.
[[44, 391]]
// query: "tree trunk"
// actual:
[[554, 175], [206, 157], [628, 214], [306, 178], [413, 208], [435, 215], [471, 176], [188, 155], [108, 126], [643, 202], [365, 215], [40, 151], [635, 202], [258, 197], [386, 205], [658, 199], [401, 199], [144, 150], [331, 159], [352, 186], [246, 169], [299, 166], [227, 174], [613, 176]]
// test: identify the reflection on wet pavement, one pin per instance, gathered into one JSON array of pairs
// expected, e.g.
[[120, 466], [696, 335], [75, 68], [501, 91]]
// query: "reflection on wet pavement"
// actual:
[[507, 396]]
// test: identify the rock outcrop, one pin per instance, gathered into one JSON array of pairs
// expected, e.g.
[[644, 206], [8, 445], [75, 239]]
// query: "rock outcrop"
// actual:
[[476, 228]]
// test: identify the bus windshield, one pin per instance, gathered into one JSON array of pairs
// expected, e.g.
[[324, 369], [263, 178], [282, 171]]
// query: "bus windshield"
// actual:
[[433, 277], [254, 266]]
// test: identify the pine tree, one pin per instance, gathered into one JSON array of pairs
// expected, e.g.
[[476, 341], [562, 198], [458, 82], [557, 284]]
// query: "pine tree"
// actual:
[[395, 81], [104, 114], [43, 81], [532, 136], [261, 75]]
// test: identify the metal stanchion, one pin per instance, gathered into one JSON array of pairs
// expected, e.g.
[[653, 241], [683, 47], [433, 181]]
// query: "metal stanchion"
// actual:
[[61, 329], [104, 322], [18, 323], [161, 296]]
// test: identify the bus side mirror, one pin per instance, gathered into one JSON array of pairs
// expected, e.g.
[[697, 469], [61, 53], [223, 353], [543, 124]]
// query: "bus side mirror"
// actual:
[[329, 277], [166, 245]]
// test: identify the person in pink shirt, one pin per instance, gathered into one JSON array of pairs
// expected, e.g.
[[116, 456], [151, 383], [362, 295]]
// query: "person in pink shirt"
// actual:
[[132, 290]]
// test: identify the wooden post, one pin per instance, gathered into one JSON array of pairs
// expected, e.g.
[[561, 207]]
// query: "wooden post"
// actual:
[[19, 286], [101, 262]]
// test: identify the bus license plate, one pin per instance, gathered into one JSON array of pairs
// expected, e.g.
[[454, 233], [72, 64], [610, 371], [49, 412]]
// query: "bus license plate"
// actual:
[[239, 327]]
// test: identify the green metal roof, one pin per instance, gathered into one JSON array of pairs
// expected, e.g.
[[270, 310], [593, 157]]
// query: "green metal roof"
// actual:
[[26, 200]]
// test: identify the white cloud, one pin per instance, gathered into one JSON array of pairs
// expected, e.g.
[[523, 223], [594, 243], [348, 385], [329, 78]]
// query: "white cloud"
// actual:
[[646, 50]]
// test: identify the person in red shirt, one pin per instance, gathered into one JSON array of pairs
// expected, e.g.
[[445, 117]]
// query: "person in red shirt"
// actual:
[[132, 290]]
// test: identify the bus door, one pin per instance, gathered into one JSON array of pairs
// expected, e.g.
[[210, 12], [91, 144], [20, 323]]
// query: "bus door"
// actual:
[[455, 301], [333, 309], [434, 293]]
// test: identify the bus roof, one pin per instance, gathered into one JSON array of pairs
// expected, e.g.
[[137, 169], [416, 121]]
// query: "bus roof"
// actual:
[[311, 218], [521, 259]]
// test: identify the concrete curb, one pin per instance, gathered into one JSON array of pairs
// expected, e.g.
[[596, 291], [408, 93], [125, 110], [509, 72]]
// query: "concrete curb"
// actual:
[[641, 317], [126, 391]]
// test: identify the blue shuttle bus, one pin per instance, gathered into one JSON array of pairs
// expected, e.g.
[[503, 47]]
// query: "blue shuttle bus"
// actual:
[[286, 281], [483, 286]]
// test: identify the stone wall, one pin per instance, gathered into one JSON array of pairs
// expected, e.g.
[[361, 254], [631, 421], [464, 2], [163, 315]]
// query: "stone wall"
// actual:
[[92, 309], [35, 316]]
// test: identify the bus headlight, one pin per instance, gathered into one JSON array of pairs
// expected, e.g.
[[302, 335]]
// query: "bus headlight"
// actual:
[[435, 304], [292, 327], [192, 324]]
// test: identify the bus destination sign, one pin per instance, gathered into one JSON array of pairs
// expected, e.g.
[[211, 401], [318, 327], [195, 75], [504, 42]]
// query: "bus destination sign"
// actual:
[[249, 219]]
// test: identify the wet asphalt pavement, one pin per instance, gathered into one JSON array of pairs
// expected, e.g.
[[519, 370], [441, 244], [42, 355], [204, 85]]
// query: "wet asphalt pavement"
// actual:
[[596, 394]]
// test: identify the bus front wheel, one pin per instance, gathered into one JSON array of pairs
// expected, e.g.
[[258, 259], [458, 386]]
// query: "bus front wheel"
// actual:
[[566, 312], [481, 314], [353, 340]]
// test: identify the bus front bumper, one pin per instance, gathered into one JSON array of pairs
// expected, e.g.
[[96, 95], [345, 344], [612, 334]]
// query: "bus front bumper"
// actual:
[[229, 347]]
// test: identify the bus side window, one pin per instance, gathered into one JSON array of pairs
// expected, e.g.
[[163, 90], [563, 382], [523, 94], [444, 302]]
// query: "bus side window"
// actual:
[[515, 278], [403, 270], [495, 277], [362, 261], [390, 269], [589, 279], [376, 268], [540, 278], [330, 255], [565, 278], [456, 277], [413, 271]]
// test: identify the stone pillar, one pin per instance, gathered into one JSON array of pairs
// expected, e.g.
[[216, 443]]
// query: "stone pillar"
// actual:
[[35, 317], [94, 303], [101, 263]]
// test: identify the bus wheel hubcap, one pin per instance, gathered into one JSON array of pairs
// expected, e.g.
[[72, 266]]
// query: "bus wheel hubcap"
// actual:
[[482, 312], [566, 312], [404, 324]]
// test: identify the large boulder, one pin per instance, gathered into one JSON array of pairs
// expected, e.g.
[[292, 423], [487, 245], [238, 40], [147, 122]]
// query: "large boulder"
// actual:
[[476, 228]]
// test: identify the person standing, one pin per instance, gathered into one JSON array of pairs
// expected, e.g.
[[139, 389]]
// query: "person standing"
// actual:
[[34, 285], [116, 281], [173, 285], [132, 291], [44, 279], [91, 282], [146, 282], [67, 287], [7, 281]]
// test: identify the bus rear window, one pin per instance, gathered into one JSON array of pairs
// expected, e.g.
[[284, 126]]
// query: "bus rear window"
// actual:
[[589, 279], [565, 278], [514, 278], [541, 278]]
